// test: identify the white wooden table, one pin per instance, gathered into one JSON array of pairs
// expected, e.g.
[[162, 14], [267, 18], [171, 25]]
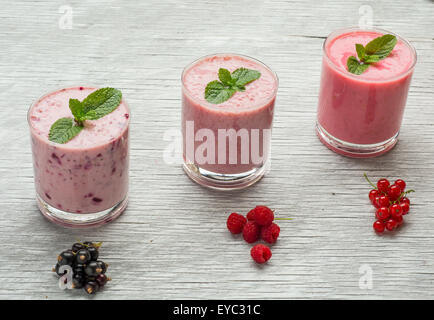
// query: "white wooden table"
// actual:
[[172, 241]]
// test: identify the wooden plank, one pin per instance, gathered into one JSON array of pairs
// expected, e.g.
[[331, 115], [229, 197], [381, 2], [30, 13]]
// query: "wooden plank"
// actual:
[[172, 241]]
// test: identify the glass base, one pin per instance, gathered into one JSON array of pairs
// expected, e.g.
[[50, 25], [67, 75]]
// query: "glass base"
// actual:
[[355, 150], [81, 220], [219, 181]]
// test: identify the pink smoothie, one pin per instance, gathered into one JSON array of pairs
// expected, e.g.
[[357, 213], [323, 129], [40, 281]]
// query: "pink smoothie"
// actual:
[[89, 173], [251, 109], [367, 108]]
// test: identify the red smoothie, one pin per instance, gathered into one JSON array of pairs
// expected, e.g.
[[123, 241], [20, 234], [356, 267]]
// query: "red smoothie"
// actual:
[[88, 174], [252, 109], [360, 115]]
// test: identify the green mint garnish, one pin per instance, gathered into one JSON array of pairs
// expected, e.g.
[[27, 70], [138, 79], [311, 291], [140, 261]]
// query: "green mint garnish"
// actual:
[[100, 103], [96, 105], [376, 50], [381, 46], [356, 67], [219, 91], [77, 109], [64, 130]]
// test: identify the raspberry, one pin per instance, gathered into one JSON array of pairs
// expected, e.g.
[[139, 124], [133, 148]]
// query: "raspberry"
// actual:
[[263, 215], [251, 215], [236, 223], [260, 253], [270, 233], [251, 232]]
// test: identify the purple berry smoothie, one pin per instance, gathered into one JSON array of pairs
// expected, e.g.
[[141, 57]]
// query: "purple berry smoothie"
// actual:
[[250, 109], [88, 174]]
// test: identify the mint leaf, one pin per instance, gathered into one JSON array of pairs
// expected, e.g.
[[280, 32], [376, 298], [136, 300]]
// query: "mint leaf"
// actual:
[[64, 130], [225, 76], [76, 109], [219, 91], [376, 50], [100, 103], [96, 105], [356, 67], [360, 51], [243, 76], [216, 92], [371, 59], [381, 46], [363, 57]]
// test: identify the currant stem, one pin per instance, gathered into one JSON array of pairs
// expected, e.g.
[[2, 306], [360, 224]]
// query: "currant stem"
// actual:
[[369, 181], [403, 194], [96, 244], [283, 219]]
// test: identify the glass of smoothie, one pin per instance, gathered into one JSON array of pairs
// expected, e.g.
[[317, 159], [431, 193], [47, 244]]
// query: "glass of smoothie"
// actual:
[[227, 130], [84, 181], [360, 115]]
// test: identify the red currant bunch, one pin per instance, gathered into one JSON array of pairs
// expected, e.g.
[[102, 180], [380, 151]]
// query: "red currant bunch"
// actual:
[[391, 203]]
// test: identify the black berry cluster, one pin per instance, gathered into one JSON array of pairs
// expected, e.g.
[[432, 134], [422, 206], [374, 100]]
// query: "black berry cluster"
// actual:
[[87, 271]]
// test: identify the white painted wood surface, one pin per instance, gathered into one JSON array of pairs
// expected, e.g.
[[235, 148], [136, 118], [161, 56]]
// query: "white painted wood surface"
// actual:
[[172, 241]]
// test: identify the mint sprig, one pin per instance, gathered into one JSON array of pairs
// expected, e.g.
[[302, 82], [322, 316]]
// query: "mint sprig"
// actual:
[[64, 130], [95, 106], [217, 92], [376, 50]]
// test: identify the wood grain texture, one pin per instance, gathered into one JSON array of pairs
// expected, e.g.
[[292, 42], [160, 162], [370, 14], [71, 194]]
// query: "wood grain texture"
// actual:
[[172, 241]]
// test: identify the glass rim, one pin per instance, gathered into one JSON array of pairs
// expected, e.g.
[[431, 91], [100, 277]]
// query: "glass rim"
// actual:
[[65, 146], [211, 106], [341, 31]]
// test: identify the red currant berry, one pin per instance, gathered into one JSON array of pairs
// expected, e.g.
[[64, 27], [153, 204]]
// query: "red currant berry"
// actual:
[[383, 185], [394, 192], [399, 220], [400, 183], [382, 213], [395, 210], [373, 194], [405, 207], [405, 200], [391, 224], [379, 226], [384, 201], [376, 202]]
